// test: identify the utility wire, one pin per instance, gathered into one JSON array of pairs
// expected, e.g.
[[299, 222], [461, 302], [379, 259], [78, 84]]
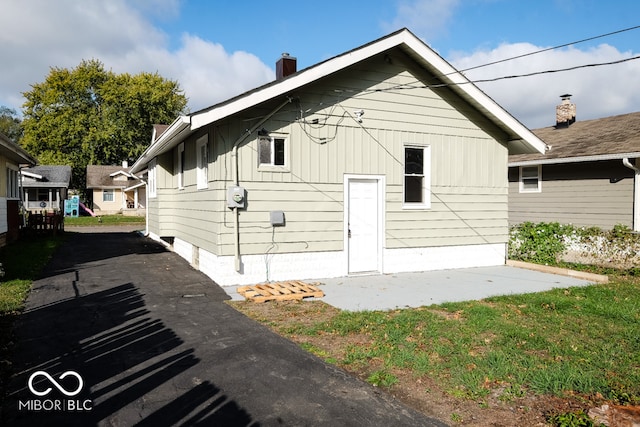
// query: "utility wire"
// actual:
[[550, 48], [535, 73]]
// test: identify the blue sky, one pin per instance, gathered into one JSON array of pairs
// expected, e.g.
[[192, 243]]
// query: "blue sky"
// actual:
[[218, 49]]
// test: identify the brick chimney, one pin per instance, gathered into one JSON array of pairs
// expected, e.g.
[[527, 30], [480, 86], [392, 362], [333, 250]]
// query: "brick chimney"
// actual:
[[565, 112], [285, 66]]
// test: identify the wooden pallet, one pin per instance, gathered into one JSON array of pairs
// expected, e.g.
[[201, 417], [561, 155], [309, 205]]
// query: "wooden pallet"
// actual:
[[281, 291]]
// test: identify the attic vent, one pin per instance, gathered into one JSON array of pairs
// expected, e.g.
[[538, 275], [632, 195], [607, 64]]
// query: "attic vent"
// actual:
[[565, 112], [285, 66]]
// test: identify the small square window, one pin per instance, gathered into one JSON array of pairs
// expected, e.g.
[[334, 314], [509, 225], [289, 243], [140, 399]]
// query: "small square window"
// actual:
[[530, 179], [271, 151], [107, 196]]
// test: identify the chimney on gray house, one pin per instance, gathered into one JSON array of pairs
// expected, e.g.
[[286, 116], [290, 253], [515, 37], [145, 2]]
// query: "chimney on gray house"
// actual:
[[285, 66], [565, 112]]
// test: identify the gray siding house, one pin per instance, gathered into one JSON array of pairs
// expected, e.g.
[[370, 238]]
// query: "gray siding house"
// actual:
[[383, 159], [589, 176]]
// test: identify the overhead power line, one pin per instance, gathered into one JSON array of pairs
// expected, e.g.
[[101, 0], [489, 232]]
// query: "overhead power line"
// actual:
[[551, 48], [535, 73]]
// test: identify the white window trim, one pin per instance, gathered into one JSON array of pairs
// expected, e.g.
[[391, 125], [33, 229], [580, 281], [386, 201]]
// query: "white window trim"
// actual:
[[539, 177], [108, 191], [180, 166], [152, 184], [270, 167], [202, 169], [13, 182], [426, 181]]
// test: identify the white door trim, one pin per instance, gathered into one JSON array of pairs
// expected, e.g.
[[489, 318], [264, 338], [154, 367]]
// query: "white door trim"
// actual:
[[380, 181]]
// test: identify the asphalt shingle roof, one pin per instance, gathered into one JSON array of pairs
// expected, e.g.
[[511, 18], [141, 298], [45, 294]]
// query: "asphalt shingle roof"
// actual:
[[52, 176], [615, 135], [99, 176]]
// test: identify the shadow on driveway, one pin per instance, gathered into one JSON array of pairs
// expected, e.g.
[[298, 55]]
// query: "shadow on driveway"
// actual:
[[154, 344]]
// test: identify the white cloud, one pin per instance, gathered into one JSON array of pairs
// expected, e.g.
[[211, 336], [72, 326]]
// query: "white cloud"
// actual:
[[39, 34], [428, 18], [597, 91]]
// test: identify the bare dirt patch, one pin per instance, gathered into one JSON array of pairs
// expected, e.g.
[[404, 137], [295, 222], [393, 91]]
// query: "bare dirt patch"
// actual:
[[293, 319]]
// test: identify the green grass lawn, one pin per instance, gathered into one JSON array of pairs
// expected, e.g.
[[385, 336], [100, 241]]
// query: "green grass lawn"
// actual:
[[103, 220], [578, 340], [579, 346], [22, 261]]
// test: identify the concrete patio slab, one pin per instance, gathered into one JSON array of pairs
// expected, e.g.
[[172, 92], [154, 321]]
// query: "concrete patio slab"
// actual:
[[405, 290]]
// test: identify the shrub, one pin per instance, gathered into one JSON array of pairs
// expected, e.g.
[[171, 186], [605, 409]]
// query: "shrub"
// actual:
[[540, 243]]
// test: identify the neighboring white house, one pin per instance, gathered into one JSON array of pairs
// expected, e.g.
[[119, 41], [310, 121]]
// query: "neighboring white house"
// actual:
[[383, 159]]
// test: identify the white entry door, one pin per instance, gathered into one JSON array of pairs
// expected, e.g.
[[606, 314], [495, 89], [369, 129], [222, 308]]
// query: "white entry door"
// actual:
[[363, 225]]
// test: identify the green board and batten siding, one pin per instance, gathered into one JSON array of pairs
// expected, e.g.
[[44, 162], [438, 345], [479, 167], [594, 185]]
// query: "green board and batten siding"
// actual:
[[467, 171]]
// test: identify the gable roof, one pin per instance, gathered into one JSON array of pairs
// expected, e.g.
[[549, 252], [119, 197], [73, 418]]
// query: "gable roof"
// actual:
[[14, 152], [103, 176], [521, 139], [615, 137], [46, 176]]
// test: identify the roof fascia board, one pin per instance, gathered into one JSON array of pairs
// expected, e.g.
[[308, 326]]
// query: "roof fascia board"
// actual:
[[133, 187], [292, 83], [461, 83], [170, 136], [446, 71], [119, 173], [578, 159], [18, 151], [31, 174]]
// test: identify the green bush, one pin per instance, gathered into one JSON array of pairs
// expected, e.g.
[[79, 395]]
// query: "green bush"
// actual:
[[540, 243]]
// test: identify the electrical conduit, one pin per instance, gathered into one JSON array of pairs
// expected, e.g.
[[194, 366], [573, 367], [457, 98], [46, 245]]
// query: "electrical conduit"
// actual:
[[234, 156]]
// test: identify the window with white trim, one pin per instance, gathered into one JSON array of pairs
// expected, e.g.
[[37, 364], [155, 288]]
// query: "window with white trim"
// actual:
[[202, 153], [531, 179], [180, 166], [12, 183], [272, 151], [417, 180], [152, 184], [107, 195]]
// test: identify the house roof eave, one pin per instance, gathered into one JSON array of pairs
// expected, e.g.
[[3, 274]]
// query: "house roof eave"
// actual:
[[133, 187], [521, 139], [14, 152], [577, 159], [172, 136]]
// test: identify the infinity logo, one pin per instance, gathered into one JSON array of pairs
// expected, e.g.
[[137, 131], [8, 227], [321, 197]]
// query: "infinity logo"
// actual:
[[58, 386]]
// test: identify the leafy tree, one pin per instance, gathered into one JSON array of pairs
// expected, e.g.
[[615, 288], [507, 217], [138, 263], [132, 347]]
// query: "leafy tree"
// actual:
[[10, 123], [88, 115]]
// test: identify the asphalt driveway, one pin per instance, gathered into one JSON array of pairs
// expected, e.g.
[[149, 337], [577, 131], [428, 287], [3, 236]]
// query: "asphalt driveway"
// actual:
[[121, 332]]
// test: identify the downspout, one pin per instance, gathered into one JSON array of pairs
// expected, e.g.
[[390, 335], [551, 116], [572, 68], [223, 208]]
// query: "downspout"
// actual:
[[236, 175], [636, 193]]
